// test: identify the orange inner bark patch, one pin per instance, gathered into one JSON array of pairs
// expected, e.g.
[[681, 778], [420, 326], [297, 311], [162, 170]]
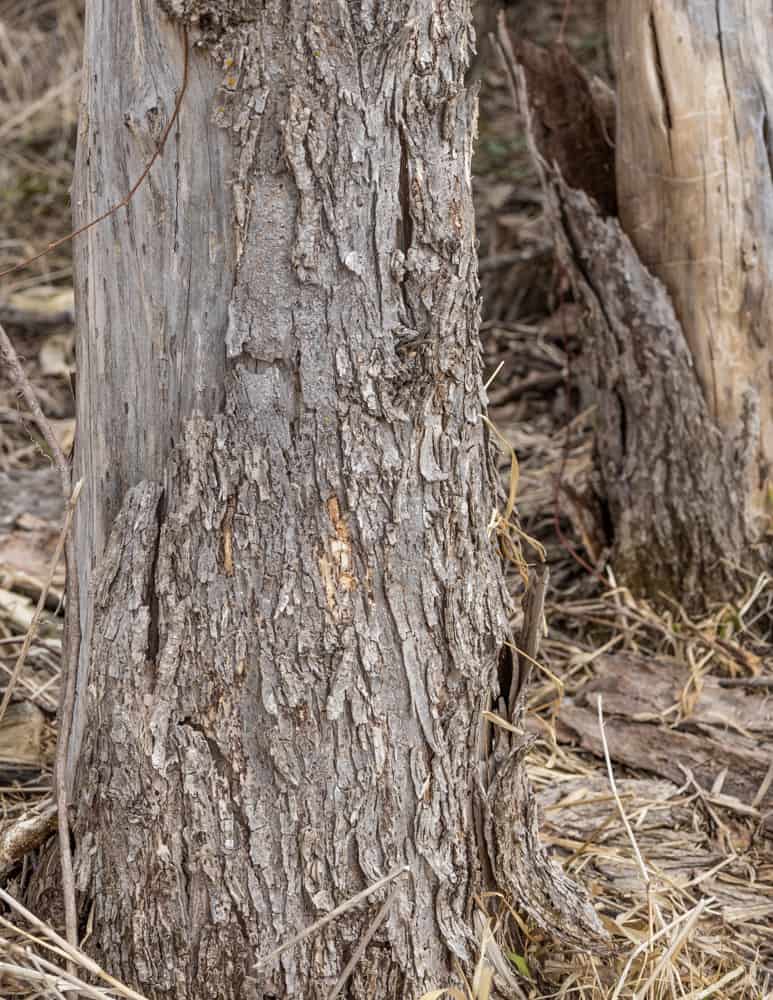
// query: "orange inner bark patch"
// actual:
[[228, 538], [336, 563]]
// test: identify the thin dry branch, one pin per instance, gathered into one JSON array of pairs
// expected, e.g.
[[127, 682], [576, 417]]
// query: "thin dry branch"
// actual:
[[359, 951]]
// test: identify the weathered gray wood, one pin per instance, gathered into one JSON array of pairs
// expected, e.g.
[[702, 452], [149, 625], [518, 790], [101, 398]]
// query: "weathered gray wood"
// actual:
[[296, 621], [154, 281], [717, 734]]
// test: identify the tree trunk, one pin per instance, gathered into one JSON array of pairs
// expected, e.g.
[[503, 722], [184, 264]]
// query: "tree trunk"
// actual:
[[292, 610], [694, 164], [674, 262]]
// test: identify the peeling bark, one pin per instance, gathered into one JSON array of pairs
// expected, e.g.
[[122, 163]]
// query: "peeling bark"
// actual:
[[525, 871]]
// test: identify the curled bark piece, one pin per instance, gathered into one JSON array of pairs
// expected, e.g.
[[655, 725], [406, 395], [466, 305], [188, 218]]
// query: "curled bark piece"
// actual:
[[524, 869]]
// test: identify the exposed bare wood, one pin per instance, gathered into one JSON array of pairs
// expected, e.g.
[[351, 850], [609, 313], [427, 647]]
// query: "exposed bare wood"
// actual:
[[693, 158], [675, 482]]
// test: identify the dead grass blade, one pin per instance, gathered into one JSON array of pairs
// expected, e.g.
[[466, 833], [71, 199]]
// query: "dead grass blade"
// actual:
[[337, 912], [74, 955]]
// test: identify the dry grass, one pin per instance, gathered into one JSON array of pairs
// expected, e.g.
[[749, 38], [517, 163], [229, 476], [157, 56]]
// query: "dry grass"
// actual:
[[683, 880], [40, 960], [40, 57]]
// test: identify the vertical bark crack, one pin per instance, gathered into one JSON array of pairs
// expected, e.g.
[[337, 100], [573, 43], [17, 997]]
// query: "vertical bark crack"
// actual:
[[720, 43], [623, 423], [660, 76], [766, 138], [405, 222], [151, 595]]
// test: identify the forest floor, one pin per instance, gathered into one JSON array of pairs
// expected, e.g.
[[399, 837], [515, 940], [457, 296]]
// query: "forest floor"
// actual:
[[677, 848]]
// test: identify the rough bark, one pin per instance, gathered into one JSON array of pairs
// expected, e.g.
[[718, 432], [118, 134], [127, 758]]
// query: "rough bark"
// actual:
[[292, 610], [678, 483], [673, 484]]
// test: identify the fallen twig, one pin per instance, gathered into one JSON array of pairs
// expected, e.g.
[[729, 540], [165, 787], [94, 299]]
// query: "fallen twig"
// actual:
[[26, 833]]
